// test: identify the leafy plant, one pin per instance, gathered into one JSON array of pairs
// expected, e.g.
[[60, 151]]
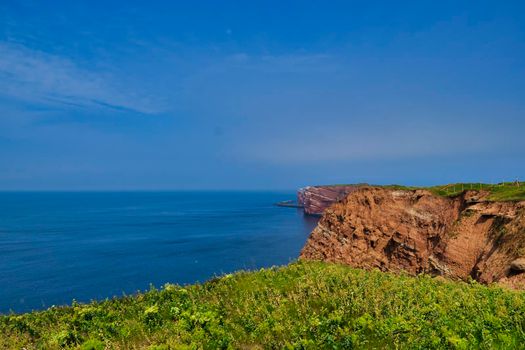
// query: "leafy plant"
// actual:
[[306, 305]]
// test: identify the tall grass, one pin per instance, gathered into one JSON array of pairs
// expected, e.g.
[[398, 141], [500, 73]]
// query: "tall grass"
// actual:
[[306, 305]]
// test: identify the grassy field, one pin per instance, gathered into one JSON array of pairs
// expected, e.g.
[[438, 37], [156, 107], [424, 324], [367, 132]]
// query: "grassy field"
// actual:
[[506, 191], [301, 306]]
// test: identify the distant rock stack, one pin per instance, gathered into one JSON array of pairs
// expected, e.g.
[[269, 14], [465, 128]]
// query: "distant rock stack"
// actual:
[[315, 199]]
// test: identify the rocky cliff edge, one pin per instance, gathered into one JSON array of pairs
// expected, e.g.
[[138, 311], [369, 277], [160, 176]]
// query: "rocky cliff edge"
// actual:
[[419, 232], [315, 199]]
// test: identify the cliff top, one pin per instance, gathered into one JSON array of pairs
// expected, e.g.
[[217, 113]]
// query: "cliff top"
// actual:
[[504, 191]]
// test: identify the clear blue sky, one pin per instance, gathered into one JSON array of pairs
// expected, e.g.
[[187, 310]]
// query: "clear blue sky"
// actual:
[[259, 95]]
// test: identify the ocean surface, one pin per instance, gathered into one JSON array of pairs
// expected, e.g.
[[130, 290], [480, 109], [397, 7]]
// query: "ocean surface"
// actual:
[[60, 246]]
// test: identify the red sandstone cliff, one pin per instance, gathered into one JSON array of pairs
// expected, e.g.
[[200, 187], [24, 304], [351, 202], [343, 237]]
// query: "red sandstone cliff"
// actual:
[[315, 199], [419, 232]]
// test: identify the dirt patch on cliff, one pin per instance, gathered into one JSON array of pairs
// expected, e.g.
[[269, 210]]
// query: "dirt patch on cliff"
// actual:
[[418, 232]]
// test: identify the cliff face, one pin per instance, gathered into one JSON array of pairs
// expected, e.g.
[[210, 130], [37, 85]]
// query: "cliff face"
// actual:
[[419, 232], [315, 199]]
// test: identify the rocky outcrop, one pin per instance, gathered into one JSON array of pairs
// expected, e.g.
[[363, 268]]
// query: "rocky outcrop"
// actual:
[[418, 232], [518, 265], [315, 199]]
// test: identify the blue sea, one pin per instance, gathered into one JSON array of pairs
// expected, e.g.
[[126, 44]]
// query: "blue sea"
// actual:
[[60, 246]]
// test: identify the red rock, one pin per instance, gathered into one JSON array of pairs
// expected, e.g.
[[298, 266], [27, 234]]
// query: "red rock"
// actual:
[[418, 232], [518, 264], [315, 199]]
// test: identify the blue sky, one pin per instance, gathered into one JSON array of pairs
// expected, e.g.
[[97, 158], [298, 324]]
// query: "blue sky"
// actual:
[[259, 95]]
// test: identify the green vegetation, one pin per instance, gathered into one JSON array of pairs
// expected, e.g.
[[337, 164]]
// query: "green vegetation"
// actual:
[[505, 191], [305, 305]]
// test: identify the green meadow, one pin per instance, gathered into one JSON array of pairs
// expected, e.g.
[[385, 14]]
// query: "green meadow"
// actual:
[[505, 191], [305, 305]]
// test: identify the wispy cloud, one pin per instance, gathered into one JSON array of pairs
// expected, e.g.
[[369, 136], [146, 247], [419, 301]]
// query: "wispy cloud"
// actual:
[[39, 77], [345, 144]]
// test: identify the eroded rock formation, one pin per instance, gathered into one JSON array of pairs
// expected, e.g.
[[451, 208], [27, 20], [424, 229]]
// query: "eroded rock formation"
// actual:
[[418, 232], [315, 199]]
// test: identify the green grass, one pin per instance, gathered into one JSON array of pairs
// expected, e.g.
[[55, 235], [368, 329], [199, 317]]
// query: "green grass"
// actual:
[[506, 191], [306, 305]]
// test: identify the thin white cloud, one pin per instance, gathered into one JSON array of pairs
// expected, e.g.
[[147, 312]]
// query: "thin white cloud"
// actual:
[[39, 77], [344, 143]]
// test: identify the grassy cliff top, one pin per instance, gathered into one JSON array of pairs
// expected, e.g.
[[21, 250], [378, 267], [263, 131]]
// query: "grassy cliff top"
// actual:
[[305, 305], [505, 191]]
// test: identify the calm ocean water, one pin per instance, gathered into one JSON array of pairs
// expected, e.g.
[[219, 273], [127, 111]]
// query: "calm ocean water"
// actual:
[[55, 247]]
